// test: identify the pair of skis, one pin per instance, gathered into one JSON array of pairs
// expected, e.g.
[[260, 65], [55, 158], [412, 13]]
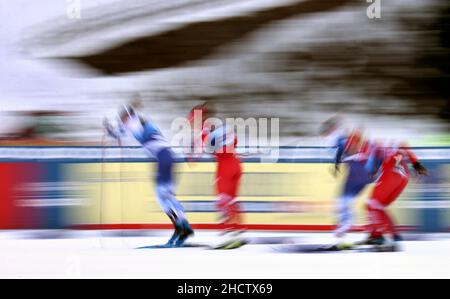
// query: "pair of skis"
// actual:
[[345, 247], [292, 248], [232, 244]]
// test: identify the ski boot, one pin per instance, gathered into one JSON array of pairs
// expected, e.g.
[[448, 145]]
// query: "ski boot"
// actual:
[[186, 232], [176, 234], [372, 241]]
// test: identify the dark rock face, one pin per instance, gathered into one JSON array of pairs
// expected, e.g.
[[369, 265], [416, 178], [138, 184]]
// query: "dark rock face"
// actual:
[[396, 67], [196, 41]]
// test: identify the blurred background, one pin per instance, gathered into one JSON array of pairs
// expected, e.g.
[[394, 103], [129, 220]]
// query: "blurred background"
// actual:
[[68, 64], [73, 62]]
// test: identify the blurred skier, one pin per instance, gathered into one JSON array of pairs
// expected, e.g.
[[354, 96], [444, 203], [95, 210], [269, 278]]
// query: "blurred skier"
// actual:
[[392, 165], [351, 149], [355, 155], [155, 145], [221, 142]]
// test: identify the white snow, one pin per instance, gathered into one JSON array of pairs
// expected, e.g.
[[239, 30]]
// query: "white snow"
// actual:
[[97, 254]]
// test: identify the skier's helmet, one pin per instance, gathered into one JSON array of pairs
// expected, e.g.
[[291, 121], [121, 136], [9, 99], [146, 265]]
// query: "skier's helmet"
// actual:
[[126, 112]]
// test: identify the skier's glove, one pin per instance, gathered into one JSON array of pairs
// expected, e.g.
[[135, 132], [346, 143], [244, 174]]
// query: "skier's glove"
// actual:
[[420, 169], [109, 128]]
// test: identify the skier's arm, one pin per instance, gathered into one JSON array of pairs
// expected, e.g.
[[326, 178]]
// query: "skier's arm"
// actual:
[[370, 164], [418, 167], [374, 162], [114, 132], [339, 153]]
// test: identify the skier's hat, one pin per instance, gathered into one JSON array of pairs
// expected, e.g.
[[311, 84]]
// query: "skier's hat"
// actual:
[[127, 111]]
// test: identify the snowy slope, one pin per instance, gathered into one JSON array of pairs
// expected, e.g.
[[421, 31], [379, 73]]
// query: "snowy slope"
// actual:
[[249, 67], [100, 256]]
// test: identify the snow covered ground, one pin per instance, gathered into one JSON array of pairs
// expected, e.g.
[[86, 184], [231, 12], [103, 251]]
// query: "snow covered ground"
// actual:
[[102, 254]]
